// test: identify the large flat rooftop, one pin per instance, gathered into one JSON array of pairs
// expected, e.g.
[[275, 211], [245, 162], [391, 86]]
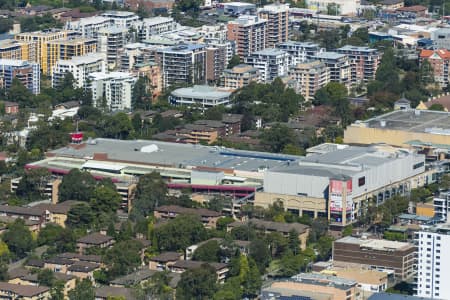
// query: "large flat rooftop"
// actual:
[[175, 155], [330, 160], [434, 122]]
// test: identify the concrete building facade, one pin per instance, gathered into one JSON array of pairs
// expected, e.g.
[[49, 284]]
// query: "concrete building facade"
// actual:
[[433, 275], [277, 16], [80, 67], [112, 91], [270, 63], [249, 33], [27, 72], [310, 76], [239, 76], [364, 62], [182, 64]]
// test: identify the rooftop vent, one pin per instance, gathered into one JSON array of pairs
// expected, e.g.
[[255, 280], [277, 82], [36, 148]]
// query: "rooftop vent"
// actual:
[[149, 148]]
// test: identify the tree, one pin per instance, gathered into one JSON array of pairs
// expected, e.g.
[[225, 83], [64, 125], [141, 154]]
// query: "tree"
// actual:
[[234, 61], [179, 233], [209, 251], [217, 203], [158, 287], [80, 216], [277, 138], [32, 184], [198, 283], [123, 258], [82, 291], [77, 185], [141, 99], [20, 94], [348, 230], [151, 192], [336, 95], [436, 107], [105, 200], [118, 126], [46, 277], [259, 251], [61, 239], [4, 276], [19, 239], [324, 246], [249, 276], [223, 222]]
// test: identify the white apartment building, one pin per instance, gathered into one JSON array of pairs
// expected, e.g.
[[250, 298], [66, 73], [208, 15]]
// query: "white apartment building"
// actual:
[[80, 67], [310, 76], [300, 52], [112, 91], [270, 63], [344, 7], [155, 26], [441, 205], [89, 27], [110, 41], [125, 19], [433, 274], [339, 65]]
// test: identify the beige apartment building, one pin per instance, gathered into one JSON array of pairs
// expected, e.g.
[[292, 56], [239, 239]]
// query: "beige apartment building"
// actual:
[[239, 76]]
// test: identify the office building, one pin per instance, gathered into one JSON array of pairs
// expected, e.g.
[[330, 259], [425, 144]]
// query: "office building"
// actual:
[[397, 258], [183, 64], [80, 67], [277, 17], [339, 181], [249, 33], [300, 52], [65, 49], [19, 50], [112, 91], [311, 286], [239, 76], [425, 130], [155, 26], [126, 19], [89, 27], [201, 96], [440, 63], [364, 62], [41, 38], [339, 65], [270, 63], [310, 76], [27, 72], [110, 41], [342, 7], [433, 274]]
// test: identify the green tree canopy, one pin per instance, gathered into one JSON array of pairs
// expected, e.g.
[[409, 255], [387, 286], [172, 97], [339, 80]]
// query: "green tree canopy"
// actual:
[[151, 192], [82, 291], [77, 185], [19, 239], [199, 283], [179, 233]]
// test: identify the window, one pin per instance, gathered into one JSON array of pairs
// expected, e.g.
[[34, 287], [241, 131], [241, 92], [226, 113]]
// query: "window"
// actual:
[[361, 181], [418, 165]]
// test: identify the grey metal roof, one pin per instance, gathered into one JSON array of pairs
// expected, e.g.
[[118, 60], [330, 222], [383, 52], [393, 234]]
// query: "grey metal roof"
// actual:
[[410, 120], [201, 92], [178, 154]]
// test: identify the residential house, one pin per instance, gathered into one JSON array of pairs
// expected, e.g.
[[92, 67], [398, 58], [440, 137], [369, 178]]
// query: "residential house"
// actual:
[[208, 217], [23, 292], [94, 240], [181, 266], [163, 261], [268, 226]]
